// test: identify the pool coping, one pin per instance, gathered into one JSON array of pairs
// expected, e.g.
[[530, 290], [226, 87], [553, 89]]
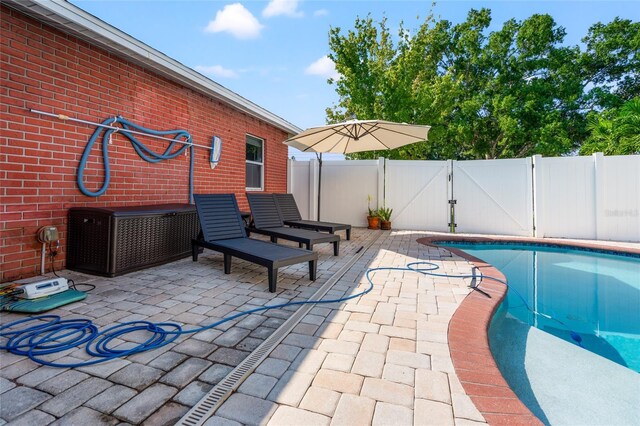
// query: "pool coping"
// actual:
[[468, 332]]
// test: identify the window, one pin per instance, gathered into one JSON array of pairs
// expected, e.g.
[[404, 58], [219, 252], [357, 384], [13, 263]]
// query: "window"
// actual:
[[255, 162]]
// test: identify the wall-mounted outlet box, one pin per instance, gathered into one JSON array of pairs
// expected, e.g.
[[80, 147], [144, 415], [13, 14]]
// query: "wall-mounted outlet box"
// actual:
[[48, 234]]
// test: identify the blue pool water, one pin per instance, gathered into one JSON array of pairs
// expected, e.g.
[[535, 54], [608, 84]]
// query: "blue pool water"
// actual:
[[594, 295]]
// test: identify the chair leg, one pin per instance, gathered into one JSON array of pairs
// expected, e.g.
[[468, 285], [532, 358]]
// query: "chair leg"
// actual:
[[309, 246], [194, 252], [300, 245], [227, 263], [348, 234], [273, 278], [336, 248], [313, 269]]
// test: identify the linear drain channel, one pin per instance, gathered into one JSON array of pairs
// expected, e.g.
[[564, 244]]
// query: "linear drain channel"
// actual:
[[205, 408]]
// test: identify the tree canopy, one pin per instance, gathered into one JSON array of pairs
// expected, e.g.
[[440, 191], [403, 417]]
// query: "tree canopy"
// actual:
[[513, 92]]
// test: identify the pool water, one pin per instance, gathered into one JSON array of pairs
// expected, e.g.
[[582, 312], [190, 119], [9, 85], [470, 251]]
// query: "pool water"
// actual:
[[588, 298]]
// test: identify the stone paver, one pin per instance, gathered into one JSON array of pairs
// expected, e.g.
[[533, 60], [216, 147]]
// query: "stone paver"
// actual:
[[86, 416], [168, 414], [386, 391], [220, 421], [319, 400], [273, 367], [368, 364], [145, 403], [136, 376], [62, 381], [236, 408], [390, 414], [215, 373], [258, 385], [291, 388], [33, 417], [432, 413], [110, 399], [19, 400], [432, 385], [399, 374], [338, 381], [285, 415], [338, 362], [185, 372], [353, 410], [193, 393], [5, 384], [75, 396]]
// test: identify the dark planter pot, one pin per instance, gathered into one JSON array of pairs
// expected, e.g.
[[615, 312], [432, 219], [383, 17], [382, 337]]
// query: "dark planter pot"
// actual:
[[374, 222], [385, 224]]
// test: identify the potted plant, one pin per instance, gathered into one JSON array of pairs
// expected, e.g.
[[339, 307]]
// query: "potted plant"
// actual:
[[384, 213], [372, 217]]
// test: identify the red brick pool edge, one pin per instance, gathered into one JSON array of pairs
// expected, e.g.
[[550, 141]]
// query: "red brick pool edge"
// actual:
[[469, 340]]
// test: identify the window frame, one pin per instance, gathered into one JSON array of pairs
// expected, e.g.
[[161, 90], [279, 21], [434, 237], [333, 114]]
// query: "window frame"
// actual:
[[261, 164]]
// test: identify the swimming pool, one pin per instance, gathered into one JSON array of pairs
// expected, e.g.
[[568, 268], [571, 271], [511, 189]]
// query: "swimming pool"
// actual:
[[589, 298]]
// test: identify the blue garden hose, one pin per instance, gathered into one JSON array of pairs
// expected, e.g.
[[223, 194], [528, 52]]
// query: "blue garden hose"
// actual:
[[143, 151], [51, 334]]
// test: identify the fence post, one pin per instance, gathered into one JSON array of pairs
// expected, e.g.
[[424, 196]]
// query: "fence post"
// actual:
[[538, 219], [380, 194], [289, 175], [598, 176], [313, 188]]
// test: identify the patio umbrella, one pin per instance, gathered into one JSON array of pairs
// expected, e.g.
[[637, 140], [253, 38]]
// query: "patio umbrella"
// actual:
[[356, 136]]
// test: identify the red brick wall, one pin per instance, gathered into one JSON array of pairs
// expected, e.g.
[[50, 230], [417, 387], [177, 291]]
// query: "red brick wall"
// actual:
[[45, 69]]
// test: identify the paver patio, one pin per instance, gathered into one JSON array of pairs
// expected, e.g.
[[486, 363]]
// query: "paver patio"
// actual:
[[378, 359]]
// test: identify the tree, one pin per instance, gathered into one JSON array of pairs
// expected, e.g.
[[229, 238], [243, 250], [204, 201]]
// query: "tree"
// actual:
[[614, 131], [514, 92], [611, 64]]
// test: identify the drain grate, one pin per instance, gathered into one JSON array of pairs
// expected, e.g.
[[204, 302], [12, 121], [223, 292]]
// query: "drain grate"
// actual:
[[205, 408]]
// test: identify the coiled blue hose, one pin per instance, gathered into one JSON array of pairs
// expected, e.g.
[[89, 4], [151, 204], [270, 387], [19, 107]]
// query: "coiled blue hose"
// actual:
[[51, 334], [143, 151]]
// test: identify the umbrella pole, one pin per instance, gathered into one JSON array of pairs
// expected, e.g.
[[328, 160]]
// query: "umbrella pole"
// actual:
[[319, 156]]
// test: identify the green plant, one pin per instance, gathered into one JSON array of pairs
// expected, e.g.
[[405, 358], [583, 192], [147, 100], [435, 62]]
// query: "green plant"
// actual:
[[372, 212], [384, 213]]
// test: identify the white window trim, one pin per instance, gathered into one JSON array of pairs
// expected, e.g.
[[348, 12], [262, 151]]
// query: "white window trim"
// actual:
[[261, 188]]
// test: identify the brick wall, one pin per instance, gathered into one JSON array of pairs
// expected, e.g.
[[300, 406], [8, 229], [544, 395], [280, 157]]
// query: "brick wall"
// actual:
[[45, 69]]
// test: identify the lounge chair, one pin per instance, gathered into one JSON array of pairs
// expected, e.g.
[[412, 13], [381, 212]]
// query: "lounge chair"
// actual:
[[223, 231], [267, 220], [292, 217]]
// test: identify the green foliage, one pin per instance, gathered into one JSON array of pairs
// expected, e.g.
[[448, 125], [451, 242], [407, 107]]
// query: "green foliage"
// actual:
[[614, 131], [384, 213], [372, 212], [611, 63], [513, 92]]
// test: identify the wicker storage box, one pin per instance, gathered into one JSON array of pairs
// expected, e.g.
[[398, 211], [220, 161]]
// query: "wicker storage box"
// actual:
[[112, 241]]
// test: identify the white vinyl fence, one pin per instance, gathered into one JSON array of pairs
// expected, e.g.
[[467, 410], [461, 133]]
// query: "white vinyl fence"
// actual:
[[594, 197]]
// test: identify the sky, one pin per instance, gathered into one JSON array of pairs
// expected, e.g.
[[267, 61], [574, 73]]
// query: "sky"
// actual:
[[274, 53]]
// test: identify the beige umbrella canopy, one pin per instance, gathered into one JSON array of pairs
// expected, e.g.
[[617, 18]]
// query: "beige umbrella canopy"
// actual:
[[356, 136]]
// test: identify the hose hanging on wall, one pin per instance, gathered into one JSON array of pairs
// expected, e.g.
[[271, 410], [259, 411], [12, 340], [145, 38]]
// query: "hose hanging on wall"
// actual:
[[143, 151]]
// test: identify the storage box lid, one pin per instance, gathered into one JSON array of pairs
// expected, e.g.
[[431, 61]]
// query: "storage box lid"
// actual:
[[138, 210]]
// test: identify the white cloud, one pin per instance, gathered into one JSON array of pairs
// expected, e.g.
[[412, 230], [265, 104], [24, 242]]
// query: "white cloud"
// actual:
[[236, 20], [216, 70], [323, 67], [321, 12], [282, 7]]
